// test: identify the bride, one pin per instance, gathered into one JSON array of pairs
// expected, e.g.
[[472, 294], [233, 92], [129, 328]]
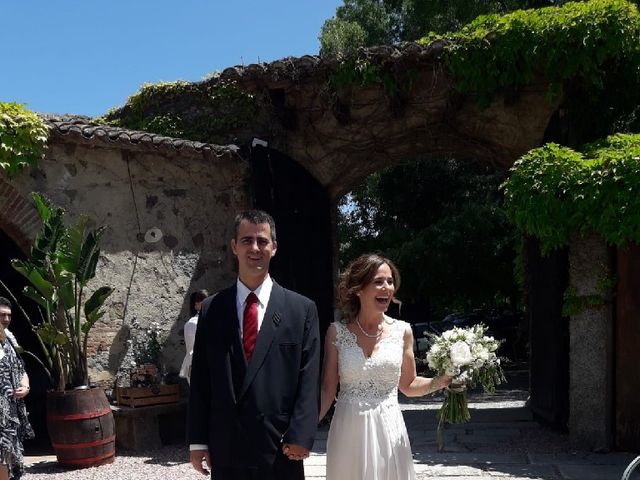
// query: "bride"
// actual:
[[371, 356]]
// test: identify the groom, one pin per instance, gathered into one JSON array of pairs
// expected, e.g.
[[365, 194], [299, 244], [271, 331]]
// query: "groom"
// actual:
[[253, 406]]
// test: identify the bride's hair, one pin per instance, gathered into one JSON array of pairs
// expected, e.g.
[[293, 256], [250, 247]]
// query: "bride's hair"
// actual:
[[358, 274]]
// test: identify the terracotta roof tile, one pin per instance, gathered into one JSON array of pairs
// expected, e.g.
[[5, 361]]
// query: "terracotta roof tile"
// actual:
[[293, 68], [86, 128]]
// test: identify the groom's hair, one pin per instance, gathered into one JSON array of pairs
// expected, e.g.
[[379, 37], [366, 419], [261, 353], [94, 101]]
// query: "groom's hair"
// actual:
[[358, 274], [256, 217]]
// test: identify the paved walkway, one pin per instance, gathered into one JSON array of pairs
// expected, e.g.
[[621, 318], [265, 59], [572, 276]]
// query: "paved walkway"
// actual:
[[500, 442]]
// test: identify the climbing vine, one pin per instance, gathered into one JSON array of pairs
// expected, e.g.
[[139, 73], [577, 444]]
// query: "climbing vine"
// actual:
[[574, 304], [23, 137], [554, 192], [363, 73], [582, 40], [164, 108]]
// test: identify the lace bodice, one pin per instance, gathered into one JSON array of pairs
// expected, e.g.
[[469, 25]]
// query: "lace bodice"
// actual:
[[373, 380]]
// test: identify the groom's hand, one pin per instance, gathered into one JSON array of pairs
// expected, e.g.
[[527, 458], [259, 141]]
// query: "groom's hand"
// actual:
[[295, 452], [197, 457]]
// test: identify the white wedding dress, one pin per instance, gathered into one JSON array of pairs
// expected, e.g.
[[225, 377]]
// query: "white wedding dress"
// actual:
[[368, 438]]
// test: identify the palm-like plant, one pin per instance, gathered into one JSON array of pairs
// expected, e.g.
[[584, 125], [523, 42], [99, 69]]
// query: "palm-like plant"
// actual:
[[61, 263]]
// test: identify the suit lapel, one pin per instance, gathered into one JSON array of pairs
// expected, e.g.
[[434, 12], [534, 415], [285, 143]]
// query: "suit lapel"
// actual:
[[237, 362], [267, 333]]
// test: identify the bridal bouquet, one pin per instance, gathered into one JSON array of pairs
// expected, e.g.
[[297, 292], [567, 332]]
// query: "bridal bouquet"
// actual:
[[468, 355]]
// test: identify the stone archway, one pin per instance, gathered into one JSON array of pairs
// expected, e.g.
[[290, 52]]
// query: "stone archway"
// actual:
[[18, 217], [343, 133]]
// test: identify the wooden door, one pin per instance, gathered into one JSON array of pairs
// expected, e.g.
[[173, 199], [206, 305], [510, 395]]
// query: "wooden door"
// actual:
[[627, 351]]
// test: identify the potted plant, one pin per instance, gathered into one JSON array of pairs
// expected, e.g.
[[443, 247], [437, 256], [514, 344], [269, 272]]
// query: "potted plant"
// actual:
[[146, 357], [62, 261], [146, 380]]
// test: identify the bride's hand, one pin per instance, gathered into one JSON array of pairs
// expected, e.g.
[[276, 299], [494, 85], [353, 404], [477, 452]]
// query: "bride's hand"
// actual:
[[443, 381]]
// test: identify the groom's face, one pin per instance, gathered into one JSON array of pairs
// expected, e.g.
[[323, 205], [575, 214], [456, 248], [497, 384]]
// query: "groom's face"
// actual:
[[254, 248]]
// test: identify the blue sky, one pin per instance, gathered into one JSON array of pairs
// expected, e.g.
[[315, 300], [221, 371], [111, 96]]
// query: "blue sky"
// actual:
[[86, 56]]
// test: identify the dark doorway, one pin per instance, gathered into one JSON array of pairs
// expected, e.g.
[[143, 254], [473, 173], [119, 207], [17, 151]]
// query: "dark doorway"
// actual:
[[303, 213], [25, 336]]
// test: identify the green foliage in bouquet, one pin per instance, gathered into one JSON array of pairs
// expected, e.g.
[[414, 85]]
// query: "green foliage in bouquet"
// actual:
[[61, 263]]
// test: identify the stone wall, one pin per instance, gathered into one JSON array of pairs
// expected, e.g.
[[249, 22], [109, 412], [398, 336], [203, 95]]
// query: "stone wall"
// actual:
[[169, 214], [591, 348]]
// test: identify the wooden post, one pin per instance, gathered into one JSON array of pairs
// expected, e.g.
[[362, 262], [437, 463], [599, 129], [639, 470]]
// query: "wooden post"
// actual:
[[627, 403]]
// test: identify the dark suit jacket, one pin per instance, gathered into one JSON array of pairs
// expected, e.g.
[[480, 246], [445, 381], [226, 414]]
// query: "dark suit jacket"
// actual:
[[244, 412]]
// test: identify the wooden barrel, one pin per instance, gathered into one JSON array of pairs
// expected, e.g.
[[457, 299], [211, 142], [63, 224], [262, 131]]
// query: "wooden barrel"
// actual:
[[81, 427]]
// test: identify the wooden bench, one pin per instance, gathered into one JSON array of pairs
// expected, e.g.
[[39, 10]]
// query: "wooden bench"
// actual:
[[146, 428]]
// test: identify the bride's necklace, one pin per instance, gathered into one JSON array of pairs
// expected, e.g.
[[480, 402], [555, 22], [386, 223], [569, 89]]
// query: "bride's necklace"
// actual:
[[378, 334]]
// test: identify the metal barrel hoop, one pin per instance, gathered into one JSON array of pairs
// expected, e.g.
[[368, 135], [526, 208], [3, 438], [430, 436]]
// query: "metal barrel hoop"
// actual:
[[630, 468]]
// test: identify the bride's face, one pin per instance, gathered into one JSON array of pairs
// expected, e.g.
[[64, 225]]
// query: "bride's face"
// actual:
[[377, 295]]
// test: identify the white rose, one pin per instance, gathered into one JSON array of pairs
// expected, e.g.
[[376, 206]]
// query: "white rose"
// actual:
[[448, 334], [460, 354]]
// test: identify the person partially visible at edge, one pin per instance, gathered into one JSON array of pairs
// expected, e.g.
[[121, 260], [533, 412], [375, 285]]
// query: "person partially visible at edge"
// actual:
[[5, 320], [14, 386], [371, 356], [195, 302], [253, 405]]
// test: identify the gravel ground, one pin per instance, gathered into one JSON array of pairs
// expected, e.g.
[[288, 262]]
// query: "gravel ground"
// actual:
[[167, 463]]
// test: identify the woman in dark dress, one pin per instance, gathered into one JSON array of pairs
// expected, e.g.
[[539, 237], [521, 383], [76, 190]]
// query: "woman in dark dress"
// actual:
[[14, 424]]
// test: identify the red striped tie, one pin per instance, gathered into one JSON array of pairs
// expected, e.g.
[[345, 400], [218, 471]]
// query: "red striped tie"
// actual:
[[250, 325]]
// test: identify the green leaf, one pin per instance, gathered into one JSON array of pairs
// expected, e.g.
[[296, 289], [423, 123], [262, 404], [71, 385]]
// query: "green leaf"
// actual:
[[33, 294], [51, 335], [35, 277], [66, 291], [72, 242], [93, 305], [89, 256], [41, 205]]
